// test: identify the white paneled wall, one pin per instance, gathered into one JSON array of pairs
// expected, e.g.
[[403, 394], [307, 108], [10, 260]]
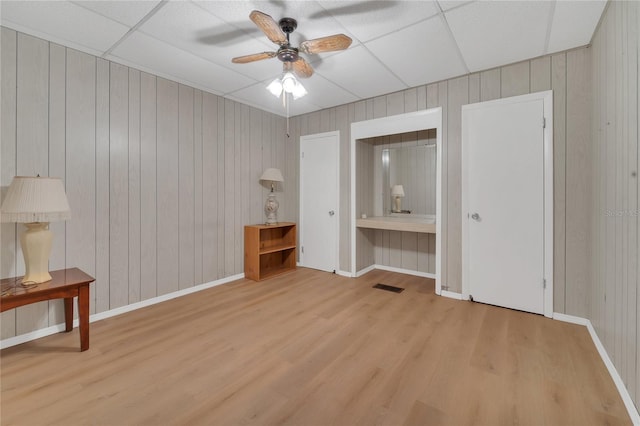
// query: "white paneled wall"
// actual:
[[161, 177], [567, 74], [615, 215]]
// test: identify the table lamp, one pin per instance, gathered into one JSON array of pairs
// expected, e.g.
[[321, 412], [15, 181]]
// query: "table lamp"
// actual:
[[271, 206], [397, 192], [35, 201]]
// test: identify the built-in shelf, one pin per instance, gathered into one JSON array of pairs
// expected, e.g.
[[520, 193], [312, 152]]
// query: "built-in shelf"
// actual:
[[397, 223], [277, 248], [269, 250]]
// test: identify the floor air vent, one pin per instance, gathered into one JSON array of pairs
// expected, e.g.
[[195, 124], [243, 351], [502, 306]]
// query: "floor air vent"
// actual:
[[388, 288]]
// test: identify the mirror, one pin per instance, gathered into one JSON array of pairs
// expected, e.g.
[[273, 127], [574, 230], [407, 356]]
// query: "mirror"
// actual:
[[406, 162], [409, 180]]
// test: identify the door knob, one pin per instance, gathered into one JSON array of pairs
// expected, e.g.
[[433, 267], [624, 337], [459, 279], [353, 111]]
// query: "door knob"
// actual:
[[331, 213], [475, 217]]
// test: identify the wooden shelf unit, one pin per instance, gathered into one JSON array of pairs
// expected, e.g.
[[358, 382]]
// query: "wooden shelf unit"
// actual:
[[269, 250]]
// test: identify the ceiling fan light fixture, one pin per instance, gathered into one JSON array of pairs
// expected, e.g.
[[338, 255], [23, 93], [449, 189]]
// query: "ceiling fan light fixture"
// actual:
[[298, 91], [275, 87], [287, 84]]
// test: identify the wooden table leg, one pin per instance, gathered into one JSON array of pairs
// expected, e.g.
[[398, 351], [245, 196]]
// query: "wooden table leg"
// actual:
[[83, 313], [68, 313]]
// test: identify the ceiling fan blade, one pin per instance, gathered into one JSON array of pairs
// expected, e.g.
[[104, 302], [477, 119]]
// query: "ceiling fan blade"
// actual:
[[302, 68], [252, 58], [269, 27], [326, 44]]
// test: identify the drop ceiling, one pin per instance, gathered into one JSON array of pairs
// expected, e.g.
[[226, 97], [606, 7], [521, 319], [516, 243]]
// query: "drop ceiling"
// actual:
[[396, 44]]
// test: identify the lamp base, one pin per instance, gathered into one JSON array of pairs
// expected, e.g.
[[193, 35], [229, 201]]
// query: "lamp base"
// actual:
[[271, 209], [36, 244], [398, 204]]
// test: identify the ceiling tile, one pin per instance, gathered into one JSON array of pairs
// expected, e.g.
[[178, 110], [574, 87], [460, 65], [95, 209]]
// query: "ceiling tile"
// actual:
[[313, 21], [368, 78], [124, 11], [237, 12], [493, 33], [574, 23], [450, 4], [62, 22], [152, 54], [324, 93], [191, 28], [406, 43], [371, 19], [421, 53]]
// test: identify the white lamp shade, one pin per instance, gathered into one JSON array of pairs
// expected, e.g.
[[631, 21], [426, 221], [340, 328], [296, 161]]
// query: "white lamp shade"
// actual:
[[299, 91], [289, 82], [273, 175], [397, 191], [35, 199], [275, 87]]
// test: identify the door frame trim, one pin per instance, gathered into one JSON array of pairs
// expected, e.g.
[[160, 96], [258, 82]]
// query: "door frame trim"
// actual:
[[547, 102], [336, 256], [408, 122]]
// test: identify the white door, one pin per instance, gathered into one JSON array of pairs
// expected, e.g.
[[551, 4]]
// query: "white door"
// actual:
[[319, 199], [504, 203]]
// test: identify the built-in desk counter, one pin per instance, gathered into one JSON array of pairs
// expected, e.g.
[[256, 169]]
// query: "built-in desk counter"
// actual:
[[407, 223]]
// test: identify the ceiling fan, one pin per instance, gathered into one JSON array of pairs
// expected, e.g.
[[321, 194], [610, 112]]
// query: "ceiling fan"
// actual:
[[278, 32]]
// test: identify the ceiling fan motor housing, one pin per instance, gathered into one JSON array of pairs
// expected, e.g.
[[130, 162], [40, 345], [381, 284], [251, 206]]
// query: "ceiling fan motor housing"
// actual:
[[288, 54], [288, 25]]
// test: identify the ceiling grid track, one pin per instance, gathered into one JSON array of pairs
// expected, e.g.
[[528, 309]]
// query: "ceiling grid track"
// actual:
[[135, 27], [552, 11], [455, 42]]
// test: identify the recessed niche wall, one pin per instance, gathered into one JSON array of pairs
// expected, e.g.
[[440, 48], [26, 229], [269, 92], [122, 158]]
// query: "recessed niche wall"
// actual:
[[396, 152]]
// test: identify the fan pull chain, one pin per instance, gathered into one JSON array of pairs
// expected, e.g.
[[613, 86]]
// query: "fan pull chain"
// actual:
[[287, 106]]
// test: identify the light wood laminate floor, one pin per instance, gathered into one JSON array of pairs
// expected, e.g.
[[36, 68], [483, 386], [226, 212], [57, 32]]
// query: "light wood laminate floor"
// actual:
[[312, 348]]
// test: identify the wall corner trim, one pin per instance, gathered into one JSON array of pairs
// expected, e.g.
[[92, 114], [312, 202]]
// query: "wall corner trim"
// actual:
[[361, 272], [624, 393], [451, 295]]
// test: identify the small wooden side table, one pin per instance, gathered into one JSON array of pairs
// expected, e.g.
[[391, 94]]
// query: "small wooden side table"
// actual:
[[64, 284]]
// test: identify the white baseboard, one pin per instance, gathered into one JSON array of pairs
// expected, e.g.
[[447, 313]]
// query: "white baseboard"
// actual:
[[365, 270], [405, 271], [337, 272], [451, 294], [570, 318], [33, 335], [622, 389], [23, 338]]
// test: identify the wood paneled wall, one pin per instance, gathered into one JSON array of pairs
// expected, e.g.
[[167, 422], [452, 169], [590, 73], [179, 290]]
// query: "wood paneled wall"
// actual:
[[161, 177], [567, 74], [615, 216]]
